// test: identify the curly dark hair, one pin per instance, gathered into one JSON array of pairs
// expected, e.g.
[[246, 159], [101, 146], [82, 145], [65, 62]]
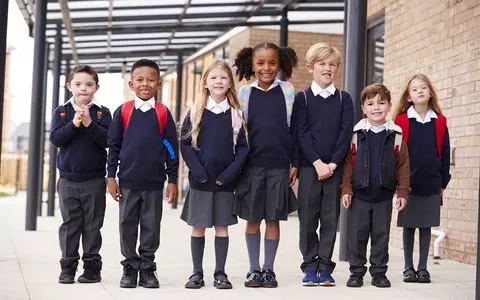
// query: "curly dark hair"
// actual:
[[244, 60], [145, 63]]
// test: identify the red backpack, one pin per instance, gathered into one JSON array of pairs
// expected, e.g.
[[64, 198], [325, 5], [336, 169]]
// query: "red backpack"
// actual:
[[162, 115], [440, 129], [160, 111]]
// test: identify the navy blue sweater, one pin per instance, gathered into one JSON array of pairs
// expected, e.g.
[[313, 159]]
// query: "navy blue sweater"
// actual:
[[325, 127], [374, 192], [272, 142], [82, 155], [428, 174], [215, 159], [144, 161]]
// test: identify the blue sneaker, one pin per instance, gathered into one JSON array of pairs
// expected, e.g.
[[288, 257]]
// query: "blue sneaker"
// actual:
[[310, 278], [325, 278]]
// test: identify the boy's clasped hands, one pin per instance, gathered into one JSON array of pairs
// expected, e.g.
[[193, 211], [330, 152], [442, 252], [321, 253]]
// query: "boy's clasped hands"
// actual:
[[82, 116], [324, 170]]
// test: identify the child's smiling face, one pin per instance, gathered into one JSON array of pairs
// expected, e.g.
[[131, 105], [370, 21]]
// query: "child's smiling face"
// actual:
[[145, 82], [266, 65], [376, 109]]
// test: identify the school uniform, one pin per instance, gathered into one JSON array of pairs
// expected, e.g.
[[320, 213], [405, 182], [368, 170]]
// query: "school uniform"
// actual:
[[325, 123], [81, 186], [143, 165], [429, 173], [215, 158], [372, 180], [263, 191]]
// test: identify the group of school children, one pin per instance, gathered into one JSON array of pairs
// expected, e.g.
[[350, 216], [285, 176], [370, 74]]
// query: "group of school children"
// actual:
[[244, 153]]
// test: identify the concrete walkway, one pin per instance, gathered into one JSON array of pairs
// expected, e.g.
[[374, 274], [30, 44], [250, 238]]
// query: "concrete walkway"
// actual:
[[29, 266]]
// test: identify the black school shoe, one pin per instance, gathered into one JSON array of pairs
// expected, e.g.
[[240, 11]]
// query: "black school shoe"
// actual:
[[148, 279], [355, 281], [423, 276], [254, 279], [91, 272], [221, 281], [269, 279], [381, 281], [129, 278], [409, 275], [67, 276], [195, 281]]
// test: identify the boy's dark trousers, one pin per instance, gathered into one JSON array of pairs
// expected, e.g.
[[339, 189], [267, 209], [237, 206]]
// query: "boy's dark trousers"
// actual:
[[369, 218], [82, 205], [144, 208], [319, 201]]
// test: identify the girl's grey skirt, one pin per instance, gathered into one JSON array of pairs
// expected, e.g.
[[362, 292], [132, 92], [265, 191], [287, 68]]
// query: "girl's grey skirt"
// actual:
[[264, 194], [206, 209], [421, 212]]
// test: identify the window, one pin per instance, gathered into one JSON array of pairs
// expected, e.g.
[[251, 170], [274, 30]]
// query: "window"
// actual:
[[375, 50]]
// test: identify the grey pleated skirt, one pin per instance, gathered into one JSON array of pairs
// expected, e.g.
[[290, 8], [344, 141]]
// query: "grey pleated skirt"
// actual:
[[421, 212], [264, 194], [206, 209]]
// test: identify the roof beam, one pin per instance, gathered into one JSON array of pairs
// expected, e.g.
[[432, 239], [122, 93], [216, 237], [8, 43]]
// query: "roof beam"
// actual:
[[138, 54], [68, 26]]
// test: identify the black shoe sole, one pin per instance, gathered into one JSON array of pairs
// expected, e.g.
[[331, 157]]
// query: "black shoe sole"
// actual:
[[222, 286], [128, 286], [66, 281], [195, 286], [270, 286], [410, 280], [252, 284], [85, 280], [381, 286], [354, 286], [149, 286], [424, 280]]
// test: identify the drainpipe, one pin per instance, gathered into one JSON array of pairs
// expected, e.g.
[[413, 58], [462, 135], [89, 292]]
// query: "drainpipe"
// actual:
[[440, 234]]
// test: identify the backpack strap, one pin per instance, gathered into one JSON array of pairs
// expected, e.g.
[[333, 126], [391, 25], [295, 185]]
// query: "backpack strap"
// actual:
[[126, 112], [236, 124], [440, 130], [162, 115], [353, 148], [340, 94], [244, 98], [404, 123], [289, 95]]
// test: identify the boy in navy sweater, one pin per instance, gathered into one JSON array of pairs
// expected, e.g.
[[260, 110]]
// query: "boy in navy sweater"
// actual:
[[376, 167], [325, 122], [79, 129], [143, 143]]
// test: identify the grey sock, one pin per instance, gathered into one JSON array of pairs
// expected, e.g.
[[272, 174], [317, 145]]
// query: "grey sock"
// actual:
[[221, 250], [197, 245], [253, 247], [408, 241], [425, 237], [271, 247]]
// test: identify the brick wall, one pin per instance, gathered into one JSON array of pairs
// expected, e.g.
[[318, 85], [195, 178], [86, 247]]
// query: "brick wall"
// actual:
[[442, 40]]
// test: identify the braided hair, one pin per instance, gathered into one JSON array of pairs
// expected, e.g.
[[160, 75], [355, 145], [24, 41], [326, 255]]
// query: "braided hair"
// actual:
[[244, 60]]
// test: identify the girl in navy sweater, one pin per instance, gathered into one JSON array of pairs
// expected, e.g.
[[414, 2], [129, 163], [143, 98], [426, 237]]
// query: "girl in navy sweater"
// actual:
[[264, 189], [214, 147], [425, 131]]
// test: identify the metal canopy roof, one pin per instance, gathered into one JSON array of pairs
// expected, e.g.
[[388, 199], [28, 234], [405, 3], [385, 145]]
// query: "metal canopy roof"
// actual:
[[108, 33]]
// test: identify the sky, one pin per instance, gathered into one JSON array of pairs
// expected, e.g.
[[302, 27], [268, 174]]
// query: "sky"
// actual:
[[21, 46]]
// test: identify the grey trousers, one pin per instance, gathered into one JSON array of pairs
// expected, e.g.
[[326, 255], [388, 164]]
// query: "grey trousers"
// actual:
[[369, 219], [82, 205], [319, 201], [144, 208]]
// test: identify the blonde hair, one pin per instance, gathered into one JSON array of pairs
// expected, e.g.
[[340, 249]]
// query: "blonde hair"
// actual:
[[321, 51], [404, 104], [202, 99]]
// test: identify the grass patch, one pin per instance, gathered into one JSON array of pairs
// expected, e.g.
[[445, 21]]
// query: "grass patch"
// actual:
[[3, 194]]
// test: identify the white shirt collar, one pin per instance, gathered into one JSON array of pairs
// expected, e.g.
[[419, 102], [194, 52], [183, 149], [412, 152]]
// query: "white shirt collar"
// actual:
[[217, 107], [412, 114], [316, 89], [71, 101], [275, 83], [139, 102], [376, 129]]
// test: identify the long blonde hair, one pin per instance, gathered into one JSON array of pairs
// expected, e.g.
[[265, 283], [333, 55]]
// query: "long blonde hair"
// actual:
[[403, 105], [202, 99]]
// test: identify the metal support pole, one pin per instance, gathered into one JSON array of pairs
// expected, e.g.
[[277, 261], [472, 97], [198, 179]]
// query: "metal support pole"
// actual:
[[43, 108], [57, 70], [354, 79], [35, 117], [284, 32], [66, 92], [477, 283], [3, 54], [178, 102]]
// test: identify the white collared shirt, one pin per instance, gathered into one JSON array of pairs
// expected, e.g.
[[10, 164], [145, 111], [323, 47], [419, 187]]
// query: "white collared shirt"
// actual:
[[412, 114], [324, 93], [144, 105], [376, 129], [217, 108], [71, 101], [275, 83]]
